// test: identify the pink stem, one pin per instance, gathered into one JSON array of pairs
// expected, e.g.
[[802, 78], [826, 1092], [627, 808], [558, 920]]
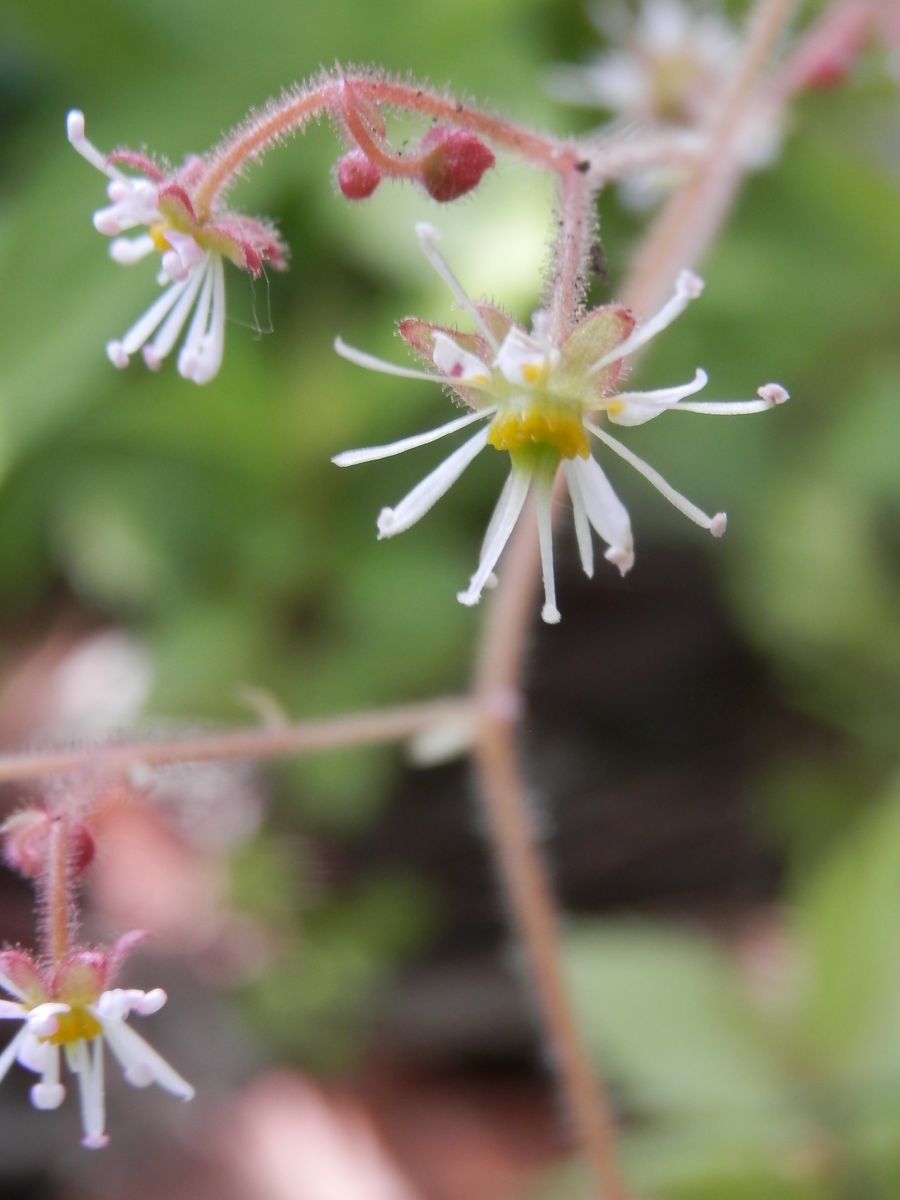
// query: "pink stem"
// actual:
[[250, 140], [58, 918]]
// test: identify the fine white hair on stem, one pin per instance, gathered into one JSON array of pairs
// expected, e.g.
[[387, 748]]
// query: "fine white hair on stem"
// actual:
[[428, 239], [716, 524]]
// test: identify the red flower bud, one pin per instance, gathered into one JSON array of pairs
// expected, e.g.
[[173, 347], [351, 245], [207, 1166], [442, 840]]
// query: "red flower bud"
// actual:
[[25, 836], [453, 162], [357, 176]]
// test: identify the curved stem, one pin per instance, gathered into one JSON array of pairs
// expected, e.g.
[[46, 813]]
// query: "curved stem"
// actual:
[[686, 227], [262, 130]]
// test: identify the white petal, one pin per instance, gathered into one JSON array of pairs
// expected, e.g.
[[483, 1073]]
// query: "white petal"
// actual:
[[428, 239], [582, 525], [429, 491], [120, 351], [92, 1092], [201, 355], [33, 1053], [687, 288], [371, 363], [544, 492], [11, 1052], [350, 458], [171, 328], [127, 251], [715, 524], [42, 1018], [523, 360], [49, 1093], [138, 1057], [644, 406], [457, 365], [507, 512], [12, 1010], [604, 509]]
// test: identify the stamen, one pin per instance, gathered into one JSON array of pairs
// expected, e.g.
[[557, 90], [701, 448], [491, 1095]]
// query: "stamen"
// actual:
[[716, 524], [687, 288], [351, 458], [371, 363], [771, 395], [549, 613], [428, 239]]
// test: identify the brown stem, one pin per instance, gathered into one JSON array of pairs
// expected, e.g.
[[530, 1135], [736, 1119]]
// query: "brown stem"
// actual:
[[283, 741], [693, 217]]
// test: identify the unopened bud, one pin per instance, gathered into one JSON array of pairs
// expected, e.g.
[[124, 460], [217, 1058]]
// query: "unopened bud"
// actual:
[[25, 841], [357, 176], [453, 162]]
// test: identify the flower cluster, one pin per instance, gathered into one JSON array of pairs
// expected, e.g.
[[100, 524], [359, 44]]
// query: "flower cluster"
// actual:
[[71, 1008], [540, 400], [192, 243]]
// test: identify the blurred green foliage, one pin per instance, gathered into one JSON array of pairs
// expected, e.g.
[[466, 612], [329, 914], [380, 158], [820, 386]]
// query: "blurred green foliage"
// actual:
[[211, 523]]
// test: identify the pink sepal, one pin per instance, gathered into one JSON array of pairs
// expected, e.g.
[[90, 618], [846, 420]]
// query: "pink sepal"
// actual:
[[21, 970], [81, 978], [175, 205], [139, 162], [595, 335]]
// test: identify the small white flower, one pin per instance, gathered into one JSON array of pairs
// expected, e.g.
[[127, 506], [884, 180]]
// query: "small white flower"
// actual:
[[76, 1029], [192, 249], [539, 402]]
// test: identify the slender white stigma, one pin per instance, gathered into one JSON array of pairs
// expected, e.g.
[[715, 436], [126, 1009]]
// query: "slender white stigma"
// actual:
[[428, 239], [715, 524], [75, 127], [773, 393]]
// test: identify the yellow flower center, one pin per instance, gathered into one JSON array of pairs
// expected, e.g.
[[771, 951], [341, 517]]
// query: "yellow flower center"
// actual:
[[76, 1025], [158, 233], [542, 422]]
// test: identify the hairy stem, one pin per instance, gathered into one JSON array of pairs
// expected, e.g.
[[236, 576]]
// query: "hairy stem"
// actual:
[[684, 230], [278, 741], [279, 119], [55, 889]]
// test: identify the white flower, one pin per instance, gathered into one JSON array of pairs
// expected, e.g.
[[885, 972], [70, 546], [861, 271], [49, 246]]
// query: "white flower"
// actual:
[[76, 1028], [540, 401], [192, 247]]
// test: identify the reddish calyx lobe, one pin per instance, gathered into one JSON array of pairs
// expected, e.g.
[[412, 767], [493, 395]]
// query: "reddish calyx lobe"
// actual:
[[453, 162]]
